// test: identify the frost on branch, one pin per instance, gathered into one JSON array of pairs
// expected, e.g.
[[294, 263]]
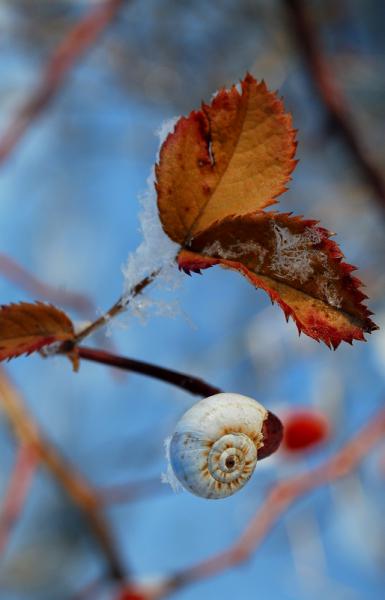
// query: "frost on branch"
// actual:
[[28, 327], [156, 253], [296, 263]]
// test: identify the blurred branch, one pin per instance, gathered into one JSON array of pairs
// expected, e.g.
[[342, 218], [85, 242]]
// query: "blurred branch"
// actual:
[[18, 275], [77, 41], [91, 590], [191, 384], [129, 492], [330, 94], [281, 497], [75, 486], [18, 487], [15, 273]]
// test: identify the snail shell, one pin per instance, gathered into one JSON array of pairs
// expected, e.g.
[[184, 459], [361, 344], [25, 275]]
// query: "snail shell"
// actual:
[[214, 449]]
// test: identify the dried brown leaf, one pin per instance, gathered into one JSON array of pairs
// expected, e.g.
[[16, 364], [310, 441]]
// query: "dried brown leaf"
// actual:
[[27, 327]]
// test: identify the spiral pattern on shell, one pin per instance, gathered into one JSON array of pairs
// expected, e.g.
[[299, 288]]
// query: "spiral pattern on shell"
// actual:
[[214, 449]]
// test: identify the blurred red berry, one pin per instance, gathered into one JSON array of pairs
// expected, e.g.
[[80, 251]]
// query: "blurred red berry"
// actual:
[[129, 595], [304, 429]]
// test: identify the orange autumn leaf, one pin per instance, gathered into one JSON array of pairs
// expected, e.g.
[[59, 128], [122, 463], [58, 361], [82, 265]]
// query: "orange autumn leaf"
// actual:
[[296, 263], [218, 170], [233, 156], [27, 327]]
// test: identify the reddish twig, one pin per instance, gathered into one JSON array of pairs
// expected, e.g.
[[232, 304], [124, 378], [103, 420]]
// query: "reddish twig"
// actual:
[[72, 482], [18, 275], [331, 95], [194, 385], [282, 496], [77, 41], [272, 427], [129, 492], [18, 487]]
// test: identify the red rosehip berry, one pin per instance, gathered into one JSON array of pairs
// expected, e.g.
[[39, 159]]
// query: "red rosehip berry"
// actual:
[[304, 429]]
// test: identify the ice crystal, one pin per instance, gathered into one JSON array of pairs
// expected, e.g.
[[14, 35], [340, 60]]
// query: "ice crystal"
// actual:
[[156, 253], [236, 251], [169, 476]]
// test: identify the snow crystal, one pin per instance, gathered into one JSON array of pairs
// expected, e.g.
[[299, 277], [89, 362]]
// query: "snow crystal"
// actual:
[[236, 250], [169, 476], [156, 253], [142, 306], [238, 87], [329, 291], [80, 325], [312, 236], [165, 128], [294, 256]]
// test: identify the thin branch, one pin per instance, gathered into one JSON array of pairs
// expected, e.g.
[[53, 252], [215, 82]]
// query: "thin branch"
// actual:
[[282, 496], [18, 275], [16, 494], [272, 427], [130, 492], [76, 43], [330, 94], [116, 309], [191, 384], [72, 482]]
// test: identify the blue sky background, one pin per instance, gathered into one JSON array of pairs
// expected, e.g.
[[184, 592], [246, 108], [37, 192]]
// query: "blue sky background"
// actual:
[[69, 206]]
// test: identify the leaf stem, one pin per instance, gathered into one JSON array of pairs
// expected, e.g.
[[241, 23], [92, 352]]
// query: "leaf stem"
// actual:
[[116, 309]]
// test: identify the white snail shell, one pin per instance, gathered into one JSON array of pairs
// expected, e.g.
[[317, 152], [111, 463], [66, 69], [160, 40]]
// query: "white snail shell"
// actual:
[[213, 451]]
